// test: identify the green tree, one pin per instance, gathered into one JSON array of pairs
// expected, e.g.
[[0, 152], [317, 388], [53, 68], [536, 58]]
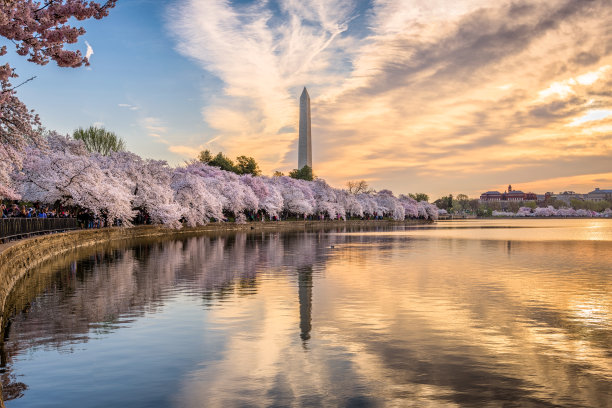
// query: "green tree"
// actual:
[[419, 196], [278, 174], [99, 140], [473, 205], [530, 204], [205, 156], [462, 203], [486, 209], [244, 165], [247, 165], [513, 206], [305, 173], [223, 162], [445, 203], [590, 205], [555, 202]]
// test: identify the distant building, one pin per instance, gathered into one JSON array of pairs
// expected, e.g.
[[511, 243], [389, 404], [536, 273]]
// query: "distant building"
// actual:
[[600, 195], [531, 197], [567, 196], [491, 196], [509, 195], [516, 195], [540, 198]]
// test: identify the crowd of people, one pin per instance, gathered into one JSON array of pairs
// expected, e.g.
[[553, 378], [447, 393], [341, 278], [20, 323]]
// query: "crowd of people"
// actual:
[[85, 218], [23, 211]]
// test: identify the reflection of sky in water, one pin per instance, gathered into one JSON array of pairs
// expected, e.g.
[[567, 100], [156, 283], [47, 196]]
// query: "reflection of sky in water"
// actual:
[[423, 317], [514, 229]]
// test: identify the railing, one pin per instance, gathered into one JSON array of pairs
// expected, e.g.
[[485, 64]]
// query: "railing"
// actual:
[[12, 228]]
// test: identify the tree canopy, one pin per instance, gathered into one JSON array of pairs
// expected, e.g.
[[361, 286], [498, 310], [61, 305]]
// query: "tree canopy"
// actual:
[[419, 196], [243, 165], [445, 203], [247, 165], [305, 173], [99, 140]]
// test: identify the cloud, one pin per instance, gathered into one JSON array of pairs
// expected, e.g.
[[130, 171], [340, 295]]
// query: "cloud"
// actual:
[[89, 51], [262, 59], [592, 115], [128, 106], [155, 127], [186, 151], [404, 91]]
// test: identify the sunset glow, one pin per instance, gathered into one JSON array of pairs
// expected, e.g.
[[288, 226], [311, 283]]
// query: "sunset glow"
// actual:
[[433, 96]]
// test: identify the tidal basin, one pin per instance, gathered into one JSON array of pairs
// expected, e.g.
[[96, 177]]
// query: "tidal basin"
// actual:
[[460, 313]]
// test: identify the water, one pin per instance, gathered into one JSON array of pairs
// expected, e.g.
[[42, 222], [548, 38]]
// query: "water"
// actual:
[[462, 313]]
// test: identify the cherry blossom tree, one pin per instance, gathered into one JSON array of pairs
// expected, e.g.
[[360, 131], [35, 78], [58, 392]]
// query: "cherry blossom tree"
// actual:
[[148, 181], [389, 205], [367, 203], [349, 202], [65, 173], [326, 200], [524, 212], [39, 30], [122, 184], [269, 198], [566, 212], [198, 205], [550, 211], [544, 211], [410, 206], [431, 210], [18, 129], [297, 197], [235, 195]]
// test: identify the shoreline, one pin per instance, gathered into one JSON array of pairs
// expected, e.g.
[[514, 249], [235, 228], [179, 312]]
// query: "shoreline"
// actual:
[[160, 230]]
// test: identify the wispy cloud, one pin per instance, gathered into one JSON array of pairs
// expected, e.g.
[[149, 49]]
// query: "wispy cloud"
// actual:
[[128, 106], [263, 58], [188, 152], [155, 127], [89, 51], [466, 93]]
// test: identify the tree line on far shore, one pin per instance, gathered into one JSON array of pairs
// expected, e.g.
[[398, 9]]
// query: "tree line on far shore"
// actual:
[[462, 204]]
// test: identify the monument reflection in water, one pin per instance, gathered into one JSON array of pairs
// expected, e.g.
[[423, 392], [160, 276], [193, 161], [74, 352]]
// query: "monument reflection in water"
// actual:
[[431, 316]]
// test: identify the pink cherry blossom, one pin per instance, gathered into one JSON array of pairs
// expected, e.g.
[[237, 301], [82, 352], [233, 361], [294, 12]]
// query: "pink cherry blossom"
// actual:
[[38, 30]]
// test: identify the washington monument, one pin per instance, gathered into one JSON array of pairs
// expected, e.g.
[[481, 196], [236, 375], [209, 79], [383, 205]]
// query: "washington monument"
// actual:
[[304, 145]]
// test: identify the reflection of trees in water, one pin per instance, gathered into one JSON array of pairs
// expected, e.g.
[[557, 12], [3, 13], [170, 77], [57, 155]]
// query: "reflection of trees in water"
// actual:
[[460, 327], [98, 293]]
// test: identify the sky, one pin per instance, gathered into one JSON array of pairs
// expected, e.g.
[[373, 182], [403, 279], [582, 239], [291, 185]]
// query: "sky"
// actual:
[[425, 96]]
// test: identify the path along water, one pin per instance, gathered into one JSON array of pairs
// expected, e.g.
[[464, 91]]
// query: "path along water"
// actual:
[[462, 313]]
